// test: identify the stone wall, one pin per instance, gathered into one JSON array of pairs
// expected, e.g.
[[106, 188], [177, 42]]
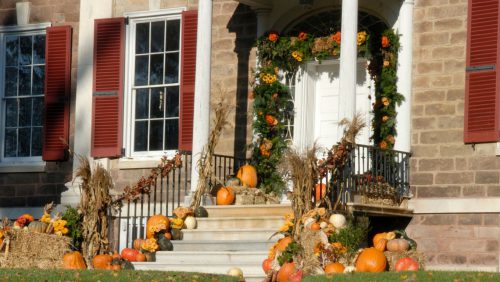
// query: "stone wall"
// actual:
[[36, 189], [442, 166]]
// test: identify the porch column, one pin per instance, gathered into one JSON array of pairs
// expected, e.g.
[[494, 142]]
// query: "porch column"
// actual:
[[348, 59], [201, 119], [403, 140], [262, 20]]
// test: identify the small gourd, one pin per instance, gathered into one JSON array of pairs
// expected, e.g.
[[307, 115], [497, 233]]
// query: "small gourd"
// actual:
[[74, 260], [190, 222], [176, 234], [233, 181], [164, 244], [235, 271], [37, 226], [398, 245], [201, 212]]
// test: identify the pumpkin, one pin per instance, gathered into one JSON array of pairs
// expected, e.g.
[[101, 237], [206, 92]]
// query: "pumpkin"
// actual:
[[140, 257], [406, 264], [378, 236], [190, 222], [235, 271], [156, 223], [381, 244], [283, 243], [233, 181], [37, 226], [371, 260], [164, 244], [315, 226], [200, 212], [125, 264], [114, 267], [168, 235], [266, 264], [247, 174], [74, 260], [137, 243], [320, 191], [176, 234], [101, 261], [116, 256], [398, 245], [129, 254], [285, 271], [334, 267], [225, 196], [296, 276], [337, 220]]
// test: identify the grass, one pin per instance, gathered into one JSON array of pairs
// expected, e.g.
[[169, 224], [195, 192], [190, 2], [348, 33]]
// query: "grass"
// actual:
[[432, 276], [106, 275]]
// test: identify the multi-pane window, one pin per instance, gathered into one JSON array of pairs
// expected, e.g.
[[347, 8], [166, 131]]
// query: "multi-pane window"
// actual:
[[155, 86], [23, 94]]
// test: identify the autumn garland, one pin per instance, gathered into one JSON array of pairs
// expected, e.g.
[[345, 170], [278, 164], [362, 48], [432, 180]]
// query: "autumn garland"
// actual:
[[279, 58]]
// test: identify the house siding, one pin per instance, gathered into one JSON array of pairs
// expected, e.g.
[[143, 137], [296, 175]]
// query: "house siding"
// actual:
[[442, 166]]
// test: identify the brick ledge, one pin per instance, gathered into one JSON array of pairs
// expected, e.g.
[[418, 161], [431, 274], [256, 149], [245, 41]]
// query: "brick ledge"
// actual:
[[455, 205]]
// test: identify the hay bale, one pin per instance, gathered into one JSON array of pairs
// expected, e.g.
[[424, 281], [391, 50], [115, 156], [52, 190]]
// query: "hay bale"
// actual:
[[34, 250], [393, 257]]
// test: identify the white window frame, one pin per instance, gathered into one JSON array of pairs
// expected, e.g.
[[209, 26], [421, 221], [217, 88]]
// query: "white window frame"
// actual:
[[128, 97], [16, 164]]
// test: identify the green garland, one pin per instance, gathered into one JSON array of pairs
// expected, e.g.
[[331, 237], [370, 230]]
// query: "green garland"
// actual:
[[280, 57]]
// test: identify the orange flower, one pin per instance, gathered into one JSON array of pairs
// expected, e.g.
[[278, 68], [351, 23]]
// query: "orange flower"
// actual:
[[264, 151], [302, 36], [273, 36], [385, 41], [275, 95], [391, 139], [386, 63], [385, 101], [383, 145], [385, 118], [271, 120], [336, 37]]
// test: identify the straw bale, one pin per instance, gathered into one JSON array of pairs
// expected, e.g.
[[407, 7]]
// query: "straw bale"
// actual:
[[34, 250]]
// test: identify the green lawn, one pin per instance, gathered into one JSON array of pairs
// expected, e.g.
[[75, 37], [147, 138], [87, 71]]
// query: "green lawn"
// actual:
[[433, 276]]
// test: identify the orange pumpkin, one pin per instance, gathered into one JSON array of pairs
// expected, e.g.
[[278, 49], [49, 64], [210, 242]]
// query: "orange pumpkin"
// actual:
[[114, 267], [398, 245], [130, 254], [406, 264], [381, 244], [225, 196], [155, 222], [334, 267], [247, 174], [140, 257], [379, 236], [74, 260], [137, 243], [116, 255], [101, 261], [371, 260], [283, 243], [168, 235], [285, 271], [320, 191], [266, 264], [315, 226]]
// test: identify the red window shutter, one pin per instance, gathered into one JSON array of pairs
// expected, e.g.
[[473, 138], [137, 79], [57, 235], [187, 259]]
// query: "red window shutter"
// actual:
[[482, 97], [188, 69], [57, 93], [109, 44]]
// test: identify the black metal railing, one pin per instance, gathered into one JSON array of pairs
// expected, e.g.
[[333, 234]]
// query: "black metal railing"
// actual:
[[166, 193]]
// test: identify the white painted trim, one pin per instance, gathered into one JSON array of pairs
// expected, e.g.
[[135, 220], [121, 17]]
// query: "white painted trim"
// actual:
[[21, 28], [156, 13], [22, 167], [455, 205]]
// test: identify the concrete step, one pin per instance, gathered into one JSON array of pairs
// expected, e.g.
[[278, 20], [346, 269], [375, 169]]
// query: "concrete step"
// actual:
[[223, 245], [248, 210], [248, 222], [248, 269], [229, 234], [217, 257]]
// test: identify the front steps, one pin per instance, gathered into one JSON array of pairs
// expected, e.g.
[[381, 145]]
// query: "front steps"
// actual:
[[232, 236]]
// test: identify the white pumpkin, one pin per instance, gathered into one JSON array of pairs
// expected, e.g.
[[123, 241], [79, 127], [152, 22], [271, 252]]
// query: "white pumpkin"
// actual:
[[190, 222], [235, 271], [338, 220], [323, 225]]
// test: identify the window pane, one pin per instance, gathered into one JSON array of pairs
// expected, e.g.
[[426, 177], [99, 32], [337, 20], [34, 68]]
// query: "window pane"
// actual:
[[36, 141], [10, 142], [25, 112], [11, 113], [141, 70], [172, 102], [11, 81], [156, 135], [141, 136], [157, 102], [171, 134], [142, 38], [172, 68], [39, 49], [26, 48], [11, 50], [25, 81], [156, 71], [157, 36], [38, 110], [141, 103], [38, 80], [24, 142], [173, 31]]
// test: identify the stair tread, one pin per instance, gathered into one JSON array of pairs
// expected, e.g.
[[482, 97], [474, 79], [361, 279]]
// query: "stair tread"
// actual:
[[217, 241], [239, 217], [249, 206], [213, 252], [211, 229]]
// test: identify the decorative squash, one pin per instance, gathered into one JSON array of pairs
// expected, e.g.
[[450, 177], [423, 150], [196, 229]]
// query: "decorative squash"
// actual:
[[74, 260], [378, 236], [190, 222], [390, 235], [141, 257], [200, 212], [102, 261], [371, 260], [235, 271], [125, 264], [176, 234], [285, 271], [233, 181], [406, 264], [129, 254], [266, 264], [225, 196], [164, 244], [37, 226], [168, 235], [156, 223], [137, 243], [247, 174], [283, 243], [320, 191], [381, 244], [334, 267], [338, 220], [315, 226], [398, 245]]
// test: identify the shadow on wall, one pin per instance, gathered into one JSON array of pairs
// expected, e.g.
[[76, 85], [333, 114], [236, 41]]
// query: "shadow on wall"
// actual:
[[244, 24]]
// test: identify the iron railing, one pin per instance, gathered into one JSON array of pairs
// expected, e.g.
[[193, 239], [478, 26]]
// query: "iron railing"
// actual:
[[166, 193]]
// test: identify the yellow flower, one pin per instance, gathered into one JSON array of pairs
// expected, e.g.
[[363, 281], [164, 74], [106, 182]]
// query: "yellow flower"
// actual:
[[177, 223], [45, 218], [150, 245], [361, 37], [386, 63], [289, 217], [385, 118], [297, 55]]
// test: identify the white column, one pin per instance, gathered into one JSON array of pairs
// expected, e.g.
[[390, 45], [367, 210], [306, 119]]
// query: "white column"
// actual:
[[403, 140], [201, 125], [348, 59]]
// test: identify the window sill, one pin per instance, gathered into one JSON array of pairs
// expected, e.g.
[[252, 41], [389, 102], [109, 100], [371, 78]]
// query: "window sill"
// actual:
[[138, 163], [22, 167]]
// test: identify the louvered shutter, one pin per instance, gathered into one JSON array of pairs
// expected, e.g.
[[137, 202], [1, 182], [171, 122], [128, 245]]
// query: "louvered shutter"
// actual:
[[57, 93], [188, 69], [482, 78], [109, 40]]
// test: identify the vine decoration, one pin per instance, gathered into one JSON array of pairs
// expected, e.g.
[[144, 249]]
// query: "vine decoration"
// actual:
[[279, 59]]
